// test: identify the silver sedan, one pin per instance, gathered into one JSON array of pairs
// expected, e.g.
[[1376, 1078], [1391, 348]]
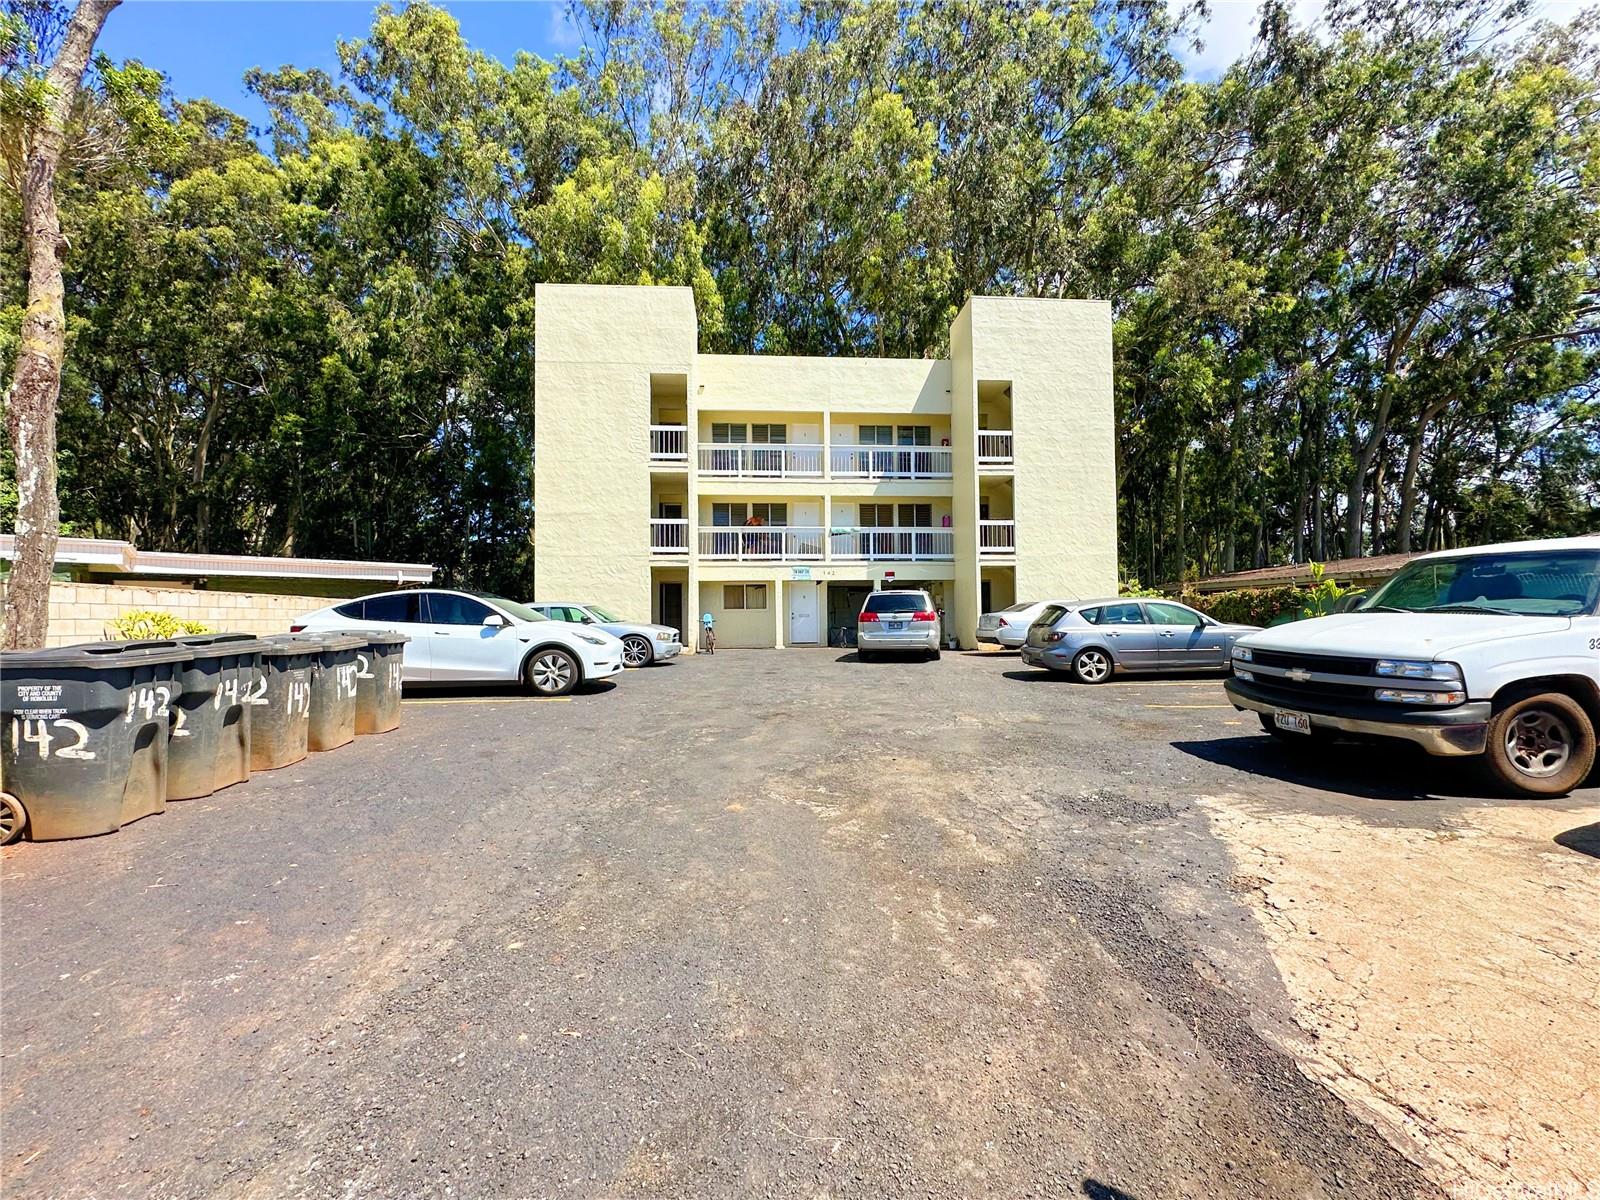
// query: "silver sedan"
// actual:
[[1092, 639], [1009, 626], [642, 643]]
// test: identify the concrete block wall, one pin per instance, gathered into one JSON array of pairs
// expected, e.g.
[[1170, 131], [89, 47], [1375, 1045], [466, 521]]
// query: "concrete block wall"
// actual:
[[80, 612]]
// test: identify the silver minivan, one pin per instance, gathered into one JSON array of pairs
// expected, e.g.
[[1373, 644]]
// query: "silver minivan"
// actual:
[[900, 620]]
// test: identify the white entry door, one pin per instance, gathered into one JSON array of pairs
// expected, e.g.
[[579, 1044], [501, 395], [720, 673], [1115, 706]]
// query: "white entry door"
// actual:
[[802, 614]]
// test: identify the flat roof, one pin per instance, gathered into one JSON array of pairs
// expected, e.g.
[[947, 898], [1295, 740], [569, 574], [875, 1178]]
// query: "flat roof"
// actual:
[[123, 558]]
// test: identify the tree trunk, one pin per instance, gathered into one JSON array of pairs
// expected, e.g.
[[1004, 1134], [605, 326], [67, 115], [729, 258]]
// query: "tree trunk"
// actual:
[[36, 379], [1408, 479]]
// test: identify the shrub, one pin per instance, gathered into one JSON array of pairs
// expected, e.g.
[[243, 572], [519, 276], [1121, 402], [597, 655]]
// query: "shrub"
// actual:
[[147, 623], [1250, 606]]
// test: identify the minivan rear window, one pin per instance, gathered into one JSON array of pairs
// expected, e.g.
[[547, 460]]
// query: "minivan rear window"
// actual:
[[898, 602]]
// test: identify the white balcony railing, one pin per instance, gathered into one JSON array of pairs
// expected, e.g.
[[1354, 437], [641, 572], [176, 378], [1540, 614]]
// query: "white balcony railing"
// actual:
[[669, 444], [746, 461], [669, 535], [889, 462], [994, 448], [872, 543], [768, 543], [997, 538]]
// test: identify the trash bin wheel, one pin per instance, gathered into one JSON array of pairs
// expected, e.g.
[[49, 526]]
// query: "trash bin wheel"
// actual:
[[13, 818]]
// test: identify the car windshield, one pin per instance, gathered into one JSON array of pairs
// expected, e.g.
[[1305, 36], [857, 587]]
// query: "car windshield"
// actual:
[[520, 611], [887, 602], [604, 614], [1560, 583]]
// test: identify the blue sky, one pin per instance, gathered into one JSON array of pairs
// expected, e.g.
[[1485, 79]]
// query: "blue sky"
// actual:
[[206, 46]]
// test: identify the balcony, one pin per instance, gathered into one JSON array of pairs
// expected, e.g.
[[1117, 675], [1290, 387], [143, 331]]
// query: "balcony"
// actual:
[[789, 543], [794, 543], [669, 537], [750, 461], [669, 445], [994, 450], [889, 462], [997, 539]]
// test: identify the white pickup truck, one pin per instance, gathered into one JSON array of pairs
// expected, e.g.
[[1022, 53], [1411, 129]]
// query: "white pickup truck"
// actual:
[[1490, 651]]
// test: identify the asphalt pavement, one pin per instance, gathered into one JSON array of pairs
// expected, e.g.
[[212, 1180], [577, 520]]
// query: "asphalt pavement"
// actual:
[[754, 924]]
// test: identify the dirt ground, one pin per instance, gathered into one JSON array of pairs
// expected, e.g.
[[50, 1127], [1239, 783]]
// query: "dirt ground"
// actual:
[[788, 924], [1446, 980]]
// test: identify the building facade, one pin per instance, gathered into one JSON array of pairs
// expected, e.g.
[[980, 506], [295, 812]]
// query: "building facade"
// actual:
[[774, 492]]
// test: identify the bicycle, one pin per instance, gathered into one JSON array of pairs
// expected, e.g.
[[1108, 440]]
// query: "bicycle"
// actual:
[[708, 638]]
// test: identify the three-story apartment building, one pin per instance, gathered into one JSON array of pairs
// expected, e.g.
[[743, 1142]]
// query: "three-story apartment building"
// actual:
[[776, 491]]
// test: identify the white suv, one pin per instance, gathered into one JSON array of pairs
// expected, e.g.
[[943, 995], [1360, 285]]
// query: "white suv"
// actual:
[[467, 637], [1491, 651]]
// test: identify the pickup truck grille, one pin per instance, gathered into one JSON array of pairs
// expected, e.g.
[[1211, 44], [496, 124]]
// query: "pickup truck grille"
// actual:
[[1322, 664], [1288, 692]]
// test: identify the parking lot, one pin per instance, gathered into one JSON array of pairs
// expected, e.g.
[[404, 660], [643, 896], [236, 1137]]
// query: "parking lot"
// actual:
[[786, 923]]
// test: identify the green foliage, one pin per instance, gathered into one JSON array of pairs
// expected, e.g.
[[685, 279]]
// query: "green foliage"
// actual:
[[1353, 278], [145, 623], [1132, 587], [1324, 594], [1251, 606]]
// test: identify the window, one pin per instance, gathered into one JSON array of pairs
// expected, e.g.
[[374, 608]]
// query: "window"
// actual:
[[916, 516], [729, 514], [448, 608], [916, 435], [769, 435], [1561, 583], [1171, 614], [770, 514], [351, 610], [899, 602], [401, 607], [1121, 614], [874, 516], [876, 435], [730, 434], [744, 595]]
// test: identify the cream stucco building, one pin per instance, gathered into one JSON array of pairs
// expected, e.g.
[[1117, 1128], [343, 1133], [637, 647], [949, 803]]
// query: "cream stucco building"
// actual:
[[775, 491]]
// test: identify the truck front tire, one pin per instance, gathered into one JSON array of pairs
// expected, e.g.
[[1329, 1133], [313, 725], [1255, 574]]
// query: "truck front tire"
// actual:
[[1541, 745]]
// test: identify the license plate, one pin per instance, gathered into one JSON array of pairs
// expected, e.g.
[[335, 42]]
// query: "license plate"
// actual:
[[1294, 722], [895, 626]]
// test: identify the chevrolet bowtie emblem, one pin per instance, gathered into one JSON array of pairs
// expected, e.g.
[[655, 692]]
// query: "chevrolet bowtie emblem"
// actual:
[[1298, 675]]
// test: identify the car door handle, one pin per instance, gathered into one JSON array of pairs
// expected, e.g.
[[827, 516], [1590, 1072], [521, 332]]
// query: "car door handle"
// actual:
[[1167, 633]]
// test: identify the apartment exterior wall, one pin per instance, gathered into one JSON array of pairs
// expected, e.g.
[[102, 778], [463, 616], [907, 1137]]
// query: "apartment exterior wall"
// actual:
[[596, 483], [597, 350], [1057, 356]]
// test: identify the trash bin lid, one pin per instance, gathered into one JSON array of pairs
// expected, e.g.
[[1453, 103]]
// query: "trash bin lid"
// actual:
[[96, 656], [315, 641], [208, 644], [384, 637], [285, 645]]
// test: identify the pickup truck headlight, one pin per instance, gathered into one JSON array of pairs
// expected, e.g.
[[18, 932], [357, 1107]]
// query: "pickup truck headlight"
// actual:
[[592, 640], [1405, 668], [1401, 696], [1244, 654], [1247, 676]]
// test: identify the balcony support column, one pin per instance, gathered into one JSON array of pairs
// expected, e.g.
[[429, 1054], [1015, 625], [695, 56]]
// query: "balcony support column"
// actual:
[[827, 445], [780, 606], [827, 525]]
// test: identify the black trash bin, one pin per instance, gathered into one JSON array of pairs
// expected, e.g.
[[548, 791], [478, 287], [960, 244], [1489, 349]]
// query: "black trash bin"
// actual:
[[279, 725], [210, 747], [86, 735], [332, 722], [378, 681]]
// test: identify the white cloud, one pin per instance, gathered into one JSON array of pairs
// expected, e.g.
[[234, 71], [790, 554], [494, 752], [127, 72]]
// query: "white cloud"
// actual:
[[1231, 25], [563, 30]]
